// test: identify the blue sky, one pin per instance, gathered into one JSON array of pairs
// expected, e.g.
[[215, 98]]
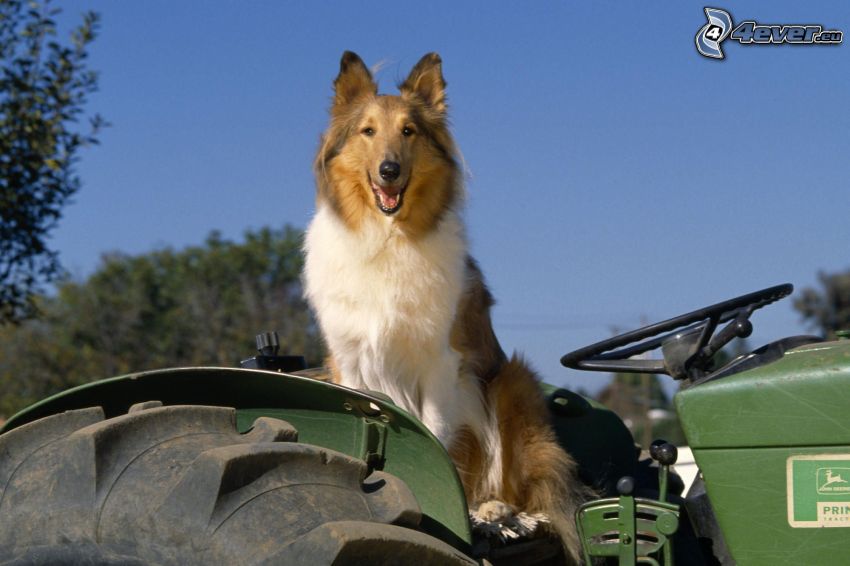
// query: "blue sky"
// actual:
[[615, 175]]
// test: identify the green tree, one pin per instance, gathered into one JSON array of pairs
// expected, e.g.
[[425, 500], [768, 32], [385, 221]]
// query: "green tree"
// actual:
[[44, 87], [201, 305], [827, 309]]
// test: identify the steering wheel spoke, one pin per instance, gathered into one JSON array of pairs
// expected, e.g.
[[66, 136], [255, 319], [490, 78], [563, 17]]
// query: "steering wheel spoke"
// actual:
[[628, 366]]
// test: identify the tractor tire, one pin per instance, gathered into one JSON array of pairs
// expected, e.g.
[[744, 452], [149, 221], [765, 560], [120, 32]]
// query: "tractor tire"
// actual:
[[180, 485]]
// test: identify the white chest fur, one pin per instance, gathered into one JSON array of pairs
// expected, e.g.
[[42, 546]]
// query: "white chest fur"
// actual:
[[386, 307]]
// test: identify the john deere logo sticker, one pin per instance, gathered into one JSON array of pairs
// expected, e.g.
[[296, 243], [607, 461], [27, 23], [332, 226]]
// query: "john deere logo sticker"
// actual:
[[819, 490], [832, 480]]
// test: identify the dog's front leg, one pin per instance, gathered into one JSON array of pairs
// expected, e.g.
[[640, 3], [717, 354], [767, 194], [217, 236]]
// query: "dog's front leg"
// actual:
[[450, 399]]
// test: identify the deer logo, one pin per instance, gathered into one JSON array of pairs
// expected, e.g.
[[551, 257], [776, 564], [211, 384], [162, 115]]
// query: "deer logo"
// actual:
[[833, 480]]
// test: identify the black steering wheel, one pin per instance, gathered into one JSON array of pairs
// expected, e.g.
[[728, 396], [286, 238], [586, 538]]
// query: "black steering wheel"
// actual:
[[688, 341]]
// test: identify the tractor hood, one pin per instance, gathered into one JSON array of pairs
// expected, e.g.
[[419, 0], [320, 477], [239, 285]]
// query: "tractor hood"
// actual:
[[800, 399]]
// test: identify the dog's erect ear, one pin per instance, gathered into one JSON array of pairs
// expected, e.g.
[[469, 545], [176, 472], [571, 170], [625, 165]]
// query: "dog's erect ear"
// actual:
[[426, 81], [354, 79]]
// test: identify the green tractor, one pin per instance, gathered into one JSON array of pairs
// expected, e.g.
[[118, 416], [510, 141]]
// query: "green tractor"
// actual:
[[269, 464]]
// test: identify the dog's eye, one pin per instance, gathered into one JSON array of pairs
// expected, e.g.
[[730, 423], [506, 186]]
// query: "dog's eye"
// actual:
[[368, 132], [407, 131]]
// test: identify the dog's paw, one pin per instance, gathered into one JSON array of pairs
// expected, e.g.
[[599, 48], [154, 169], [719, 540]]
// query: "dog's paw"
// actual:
[[494, 511], [500, 519]]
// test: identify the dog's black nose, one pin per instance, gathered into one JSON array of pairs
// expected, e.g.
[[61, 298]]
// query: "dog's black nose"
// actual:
[[389, 170]]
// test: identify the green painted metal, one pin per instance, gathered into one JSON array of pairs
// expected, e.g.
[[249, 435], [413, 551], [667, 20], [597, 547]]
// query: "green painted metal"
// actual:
[[632, 529], [802, 399], [749, 493], [327, 415], [744, 429]]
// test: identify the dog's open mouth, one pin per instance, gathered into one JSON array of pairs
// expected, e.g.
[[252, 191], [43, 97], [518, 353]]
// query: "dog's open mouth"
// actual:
[[389, 198]]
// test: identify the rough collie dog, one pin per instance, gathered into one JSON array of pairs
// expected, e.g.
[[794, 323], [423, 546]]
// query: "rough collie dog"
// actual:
[[404, 309]]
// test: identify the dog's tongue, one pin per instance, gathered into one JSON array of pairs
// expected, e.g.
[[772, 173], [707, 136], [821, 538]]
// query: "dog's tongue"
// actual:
[[389, 196]]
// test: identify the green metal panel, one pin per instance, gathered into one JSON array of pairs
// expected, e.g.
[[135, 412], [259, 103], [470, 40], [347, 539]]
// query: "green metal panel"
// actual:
[[749, 491], [757, 438], [627, 528], [328, 415], [802, 399]]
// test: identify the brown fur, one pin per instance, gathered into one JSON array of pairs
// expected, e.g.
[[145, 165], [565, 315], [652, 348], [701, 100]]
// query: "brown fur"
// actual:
[[472, 333], [538, 476]]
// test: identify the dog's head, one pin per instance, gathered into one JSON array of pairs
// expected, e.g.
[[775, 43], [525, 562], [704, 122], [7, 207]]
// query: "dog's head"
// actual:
[[388, 155]]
